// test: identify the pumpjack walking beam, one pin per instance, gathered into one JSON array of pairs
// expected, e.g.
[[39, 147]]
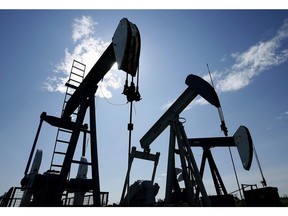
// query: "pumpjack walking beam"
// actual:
[[196, 86], [192, 177]]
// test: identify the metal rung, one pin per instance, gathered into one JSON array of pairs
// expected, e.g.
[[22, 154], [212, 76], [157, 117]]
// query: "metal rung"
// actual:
[[78, 62], [56, 165], [62, 153], [74, 80], [66, 131], [70, 85], [79, 66], [74, 113], [63, 141], [76, 73]]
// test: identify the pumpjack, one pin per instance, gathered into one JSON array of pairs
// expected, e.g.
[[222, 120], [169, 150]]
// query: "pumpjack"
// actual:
[[190, 173], [48, 189]]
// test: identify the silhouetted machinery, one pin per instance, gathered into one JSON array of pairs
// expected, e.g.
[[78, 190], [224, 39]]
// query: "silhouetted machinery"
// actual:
[[52, 188], [141, 192], [190, 173], [48, 189]]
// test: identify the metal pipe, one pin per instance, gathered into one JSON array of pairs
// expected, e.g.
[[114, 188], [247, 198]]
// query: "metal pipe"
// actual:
[[34, 143], [264, 183], [94, 153]]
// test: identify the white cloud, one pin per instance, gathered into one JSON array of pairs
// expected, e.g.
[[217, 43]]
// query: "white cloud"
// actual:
[[223, 59], [283, 116], [167, 105], [254, 61], [248, 64], [87, 49], [82, 27], [200, 101]]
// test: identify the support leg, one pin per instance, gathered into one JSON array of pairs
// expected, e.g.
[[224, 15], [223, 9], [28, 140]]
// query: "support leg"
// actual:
[[94, 153]]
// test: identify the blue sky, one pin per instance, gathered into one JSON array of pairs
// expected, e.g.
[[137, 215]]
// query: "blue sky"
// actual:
[[247, 52]]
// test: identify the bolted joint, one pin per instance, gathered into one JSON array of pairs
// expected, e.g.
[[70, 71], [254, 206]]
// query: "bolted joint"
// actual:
[[130, 126], [131, 92]]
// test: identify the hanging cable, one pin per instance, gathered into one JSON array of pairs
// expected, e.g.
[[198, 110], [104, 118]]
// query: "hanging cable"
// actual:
[[225, 130], [263, 182], [236, 176], [106, 99]]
